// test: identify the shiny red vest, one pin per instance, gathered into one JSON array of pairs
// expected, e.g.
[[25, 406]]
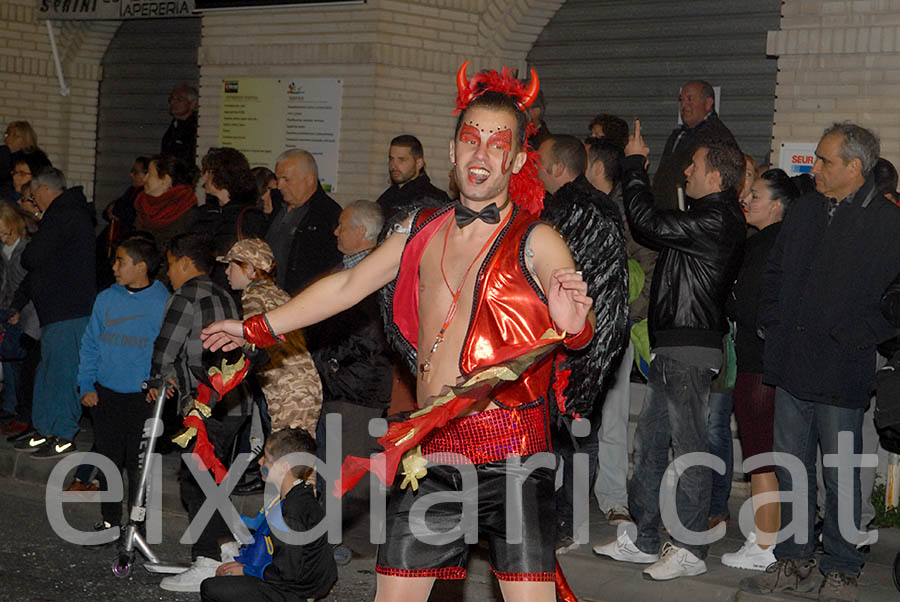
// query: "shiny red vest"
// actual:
[[510, 312]]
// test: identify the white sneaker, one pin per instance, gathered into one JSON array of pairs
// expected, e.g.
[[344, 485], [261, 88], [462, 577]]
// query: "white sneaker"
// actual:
[[190, 580], [624, 549], [675, 562], [750, 556], [230, 551]]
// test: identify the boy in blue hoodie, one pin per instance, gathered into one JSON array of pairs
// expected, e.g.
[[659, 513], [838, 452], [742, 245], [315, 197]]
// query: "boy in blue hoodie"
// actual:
[[115, 360]]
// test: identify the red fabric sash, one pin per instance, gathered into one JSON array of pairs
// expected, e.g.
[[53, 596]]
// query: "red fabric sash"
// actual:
[[563, 590], [220, 382], [404, 436], [162, 210]]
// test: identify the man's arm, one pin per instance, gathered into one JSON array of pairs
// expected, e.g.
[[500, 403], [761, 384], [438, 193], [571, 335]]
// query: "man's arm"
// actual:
[[565, 289], [89, 351], [872, 325], [769, 309], [658, 227], [22, 295], [322, 299], [172, 337], [890, 303]]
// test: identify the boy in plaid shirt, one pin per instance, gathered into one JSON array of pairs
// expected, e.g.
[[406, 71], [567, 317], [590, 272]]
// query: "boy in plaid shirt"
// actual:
[[196, 302]]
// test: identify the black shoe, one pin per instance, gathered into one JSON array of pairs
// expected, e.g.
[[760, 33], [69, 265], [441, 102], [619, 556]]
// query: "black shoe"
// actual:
[[249, 486], [104, 526], [56, 447], [26, 434], [33, 442]]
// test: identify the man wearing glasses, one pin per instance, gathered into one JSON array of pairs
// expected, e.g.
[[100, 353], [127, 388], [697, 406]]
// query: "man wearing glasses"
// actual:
[[180, 139]]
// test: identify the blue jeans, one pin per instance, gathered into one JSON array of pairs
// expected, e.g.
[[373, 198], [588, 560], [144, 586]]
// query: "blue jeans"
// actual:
[[57, 406], [720, 444], [11, 386], [676, 410], [799, 427]]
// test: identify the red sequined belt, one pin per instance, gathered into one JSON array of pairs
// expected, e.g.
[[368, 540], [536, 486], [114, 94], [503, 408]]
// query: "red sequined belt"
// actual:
[[488, 436]]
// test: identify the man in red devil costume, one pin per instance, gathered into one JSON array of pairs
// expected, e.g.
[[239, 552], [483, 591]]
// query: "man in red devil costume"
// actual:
[[479, 295]]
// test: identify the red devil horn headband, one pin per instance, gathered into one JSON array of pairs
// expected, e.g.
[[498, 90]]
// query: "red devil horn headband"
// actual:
[[491, 80], [525, 188]]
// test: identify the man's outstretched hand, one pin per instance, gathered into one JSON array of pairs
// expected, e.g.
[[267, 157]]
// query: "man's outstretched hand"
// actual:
[[224, 334], [567, 300], [636, 144]]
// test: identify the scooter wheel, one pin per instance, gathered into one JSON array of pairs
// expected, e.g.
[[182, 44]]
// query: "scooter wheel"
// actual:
[[342, 555], [122, 566], [896, 573]]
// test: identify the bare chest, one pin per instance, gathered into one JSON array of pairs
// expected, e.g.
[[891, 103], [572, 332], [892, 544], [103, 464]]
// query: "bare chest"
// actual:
[[448, 274]]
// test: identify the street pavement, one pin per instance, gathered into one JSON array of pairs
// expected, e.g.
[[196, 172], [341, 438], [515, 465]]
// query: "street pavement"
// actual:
[[36, 565]]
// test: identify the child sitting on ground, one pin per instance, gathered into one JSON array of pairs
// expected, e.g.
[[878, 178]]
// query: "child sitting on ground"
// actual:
[[269, 568], [289, 379], [115, 360]]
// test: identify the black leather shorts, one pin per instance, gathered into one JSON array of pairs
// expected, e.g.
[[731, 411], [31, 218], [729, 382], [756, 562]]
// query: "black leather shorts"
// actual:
[[520, 529]]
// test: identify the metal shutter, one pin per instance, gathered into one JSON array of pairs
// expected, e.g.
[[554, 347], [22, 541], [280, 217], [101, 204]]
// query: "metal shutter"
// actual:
[[630, 58], [144, 61]]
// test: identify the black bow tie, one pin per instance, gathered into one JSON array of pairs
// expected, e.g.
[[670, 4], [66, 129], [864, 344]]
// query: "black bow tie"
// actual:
[[465, 216]]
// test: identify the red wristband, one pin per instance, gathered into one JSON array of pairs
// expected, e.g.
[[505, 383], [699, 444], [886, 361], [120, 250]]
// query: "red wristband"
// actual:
[[258, 332], [581, 339]]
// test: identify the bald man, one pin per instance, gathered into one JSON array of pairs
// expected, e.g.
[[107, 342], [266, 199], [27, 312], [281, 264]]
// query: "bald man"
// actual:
[[697, 106], [301, 232]]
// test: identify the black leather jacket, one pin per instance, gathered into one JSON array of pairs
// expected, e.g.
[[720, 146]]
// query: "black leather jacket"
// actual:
[[676, 157], [700, 252]]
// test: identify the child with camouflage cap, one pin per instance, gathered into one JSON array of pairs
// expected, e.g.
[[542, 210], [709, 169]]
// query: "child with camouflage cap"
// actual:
[[289, 379]]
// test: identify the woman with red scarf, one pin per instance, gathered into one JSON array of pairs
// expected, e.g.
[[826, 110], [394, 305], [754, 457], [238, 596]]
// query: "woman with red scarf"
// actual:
[[167, 206]]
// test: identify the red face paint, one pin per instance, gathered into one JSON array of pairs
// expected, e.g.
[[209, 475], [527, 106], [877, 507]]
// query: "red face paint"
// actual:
[[468, 133], [503, 141]]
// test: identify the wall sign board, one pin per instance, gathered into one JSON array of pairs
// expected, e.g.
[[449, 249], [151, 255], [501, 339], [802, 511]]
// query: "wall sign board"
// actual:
[[261, 117], [78, 10], [797, 157]]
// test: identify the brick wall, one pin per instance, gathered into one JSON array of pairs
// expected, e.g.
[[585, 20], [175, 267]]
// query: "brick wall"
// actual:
[[29, 89], [398, 62], [837, 60]]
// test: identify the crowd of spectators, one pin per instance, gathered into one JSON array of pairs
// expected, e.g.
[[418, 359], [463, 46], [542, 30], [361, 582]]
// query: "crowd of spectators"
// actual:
[[748, 290]]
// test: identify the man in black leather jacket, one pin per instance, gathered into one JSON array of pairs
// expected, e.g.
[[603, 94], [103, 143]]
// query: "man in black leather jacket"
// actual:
[[699, 256], [589, 220]]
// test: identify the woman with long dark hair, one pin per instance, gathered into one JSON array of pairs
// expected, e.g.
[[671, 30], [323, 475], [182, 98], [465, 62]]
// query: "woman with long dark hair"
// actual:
[[754, 402]]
